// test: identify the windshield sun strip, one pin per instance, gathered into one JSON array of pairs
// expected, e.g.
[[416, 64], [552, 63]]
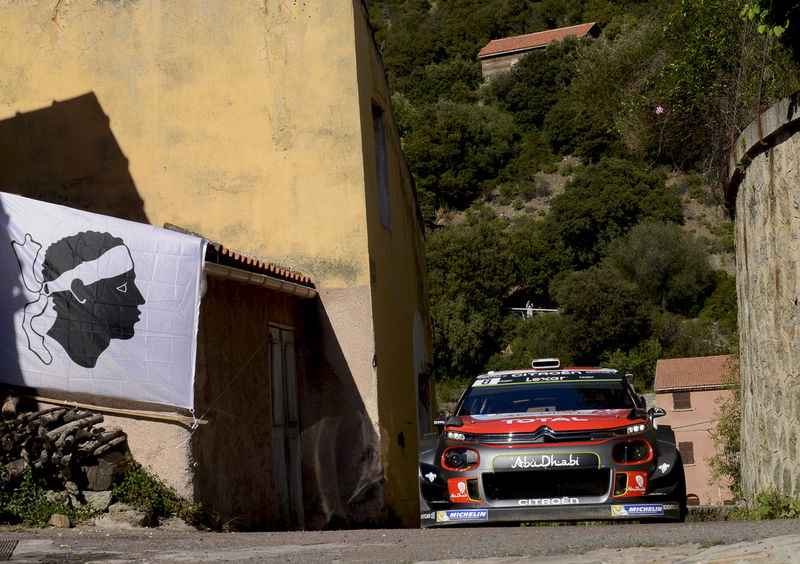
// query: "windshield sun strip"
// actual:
[[585, 380]]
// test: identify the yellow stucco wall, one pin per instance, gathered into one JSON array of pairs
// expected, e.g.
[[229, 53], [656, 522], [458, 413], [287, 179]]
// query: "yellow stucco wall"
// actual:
[[249, 122], [246, 109], [398, 288]]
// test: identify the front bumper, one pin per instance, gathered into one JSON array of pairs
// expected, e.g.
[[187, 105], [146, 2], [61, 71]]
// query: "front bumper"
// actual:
[[595, 512], [555, 482]]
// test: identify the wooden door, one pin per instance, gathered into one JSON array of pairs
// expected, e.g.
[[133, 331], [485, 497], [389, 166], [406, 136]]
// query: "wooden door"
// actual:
[[285, 428]]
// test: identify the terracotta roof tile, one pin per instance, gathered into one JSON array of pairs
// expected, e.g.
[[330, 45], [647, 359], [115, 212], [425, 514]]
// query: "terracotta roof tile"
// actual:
[[701, 372], [219, 254], [533, 40]]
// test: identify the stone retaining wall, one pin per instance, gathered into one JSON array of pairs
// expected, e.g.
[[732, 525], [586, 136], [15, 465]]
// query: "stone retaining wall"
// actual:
[[765, 183]]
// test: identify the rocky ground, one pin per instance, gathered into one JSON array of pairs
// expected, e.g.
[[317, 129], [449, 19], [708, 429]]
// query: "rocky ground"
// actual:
[[709, 542]]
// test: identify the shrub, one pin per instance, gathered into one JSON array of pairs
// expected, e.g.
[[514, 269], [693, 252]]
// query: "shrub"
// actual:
[[667, 263], [603, 202], [140, 488], [542, 336], [534, 83], [533, 154], [456, 150], [603, 311], [639, 361], [726, 462], [28, 503], [770, 505]]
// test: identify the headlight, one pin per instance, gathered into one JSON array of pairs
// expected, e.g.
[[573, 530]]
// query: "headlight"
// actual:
[[460, 459], [632, 452], [638, 428], [451, 435]]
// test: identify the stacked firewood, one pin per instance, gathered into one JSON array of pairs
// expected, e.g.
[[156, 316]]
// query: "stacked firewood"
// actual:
[[64, 447]]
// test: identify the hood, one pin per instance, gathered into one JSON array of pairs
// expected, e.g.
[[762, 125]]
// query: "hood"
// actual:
[[556, 420]]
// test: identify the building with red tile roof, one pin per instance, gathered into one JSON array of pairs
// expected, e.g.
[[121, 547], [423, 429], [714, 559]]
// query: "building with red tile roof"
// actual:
[[690, 391], [499, 55], [699, 373]]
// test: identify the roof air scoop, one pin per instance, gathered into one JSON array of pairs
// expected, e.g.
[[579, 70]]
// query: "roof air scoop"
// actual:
[[544, 363]]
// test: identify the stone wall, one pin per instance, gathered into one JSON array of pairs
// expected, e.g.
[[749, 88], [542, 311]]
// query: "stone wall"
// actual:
[[765, 184]]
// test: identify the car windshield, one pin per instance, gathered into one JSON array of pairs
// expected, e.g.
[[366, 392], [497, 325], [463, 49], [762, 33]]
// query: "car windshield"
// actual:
[[539, 397]]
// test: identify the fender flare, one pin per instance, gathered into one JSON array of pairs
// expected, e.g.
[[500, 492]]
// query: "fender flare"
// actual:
[[667, 452]]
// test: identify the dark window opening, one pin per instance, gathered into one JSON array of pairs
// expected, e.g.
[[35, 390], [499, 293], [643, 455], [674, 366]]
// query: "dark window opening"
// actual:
[[381, 166], [681, 400], [687, 452]]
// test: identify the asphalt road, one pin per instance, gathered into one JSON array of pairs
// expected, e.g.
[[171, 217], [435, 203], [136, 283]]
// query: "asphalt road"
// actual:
[[764, 541]]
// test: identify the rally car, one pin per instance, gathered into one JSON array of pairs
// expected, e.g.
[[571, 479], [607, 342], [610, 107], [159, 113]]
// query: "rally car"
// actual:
[[551, 443]]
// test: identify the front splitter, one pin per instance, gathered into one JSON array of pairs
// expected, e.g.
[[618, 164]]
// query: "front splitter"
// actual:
[[599, 512]]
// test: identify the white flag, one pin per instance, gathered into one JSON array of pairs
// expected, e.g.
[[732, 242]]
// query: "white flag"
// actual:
[[94, 304]]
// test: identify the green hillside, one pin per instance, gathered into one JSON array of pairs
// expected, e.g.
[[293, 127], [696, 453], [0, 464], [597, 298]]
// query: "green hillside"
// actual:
[[589, 178]]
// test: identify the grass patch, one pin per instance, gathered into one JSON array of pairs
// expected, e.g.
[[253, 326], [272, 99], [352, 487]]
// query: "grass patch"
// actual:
[[141, 489], [769, 505], [27, 503], [709, 544]]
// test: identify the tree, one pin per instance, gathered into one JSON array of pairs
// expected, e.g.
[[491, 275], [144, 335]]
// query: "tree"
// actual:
[[722, 306], [534, 84], [537, 259], [680, 337], [415, 33], [603, 202], [454, 79], [668, 264], [777, 18], [468, 278], [726, 463], [457, 149], [575, 130], [640, 361], [603, 312], [542, 336], [532, 154]]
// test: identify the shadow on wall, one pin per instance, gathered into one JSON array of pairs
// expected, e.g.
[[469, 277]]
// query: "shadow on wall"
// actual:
[[67, 154], [342, 470], [11, 298], [232, 454]]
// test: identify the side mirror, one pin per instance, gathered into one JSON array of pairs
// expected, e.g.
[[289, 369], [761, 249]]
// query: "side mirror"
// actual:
[[637, 413], [654, 412], [442, 416], [452, 421]]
